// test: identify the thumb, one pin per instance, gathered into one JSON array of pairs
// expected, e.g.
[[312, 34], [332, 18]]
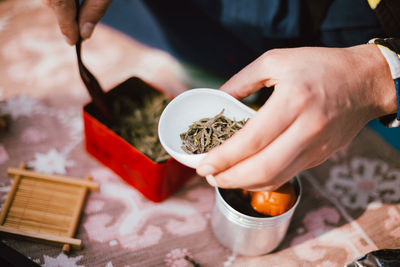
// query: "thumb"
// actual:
[[250, 79], [90, 14]]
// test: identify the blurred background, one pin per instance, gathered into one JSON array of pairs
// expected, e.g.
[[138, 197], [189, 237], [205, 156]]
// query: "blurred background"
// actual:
[[350, 205]]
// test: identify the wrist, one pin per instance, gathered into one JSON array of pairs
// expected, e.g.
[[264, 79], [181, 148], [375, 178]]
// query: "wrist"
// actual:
[[382, 87]]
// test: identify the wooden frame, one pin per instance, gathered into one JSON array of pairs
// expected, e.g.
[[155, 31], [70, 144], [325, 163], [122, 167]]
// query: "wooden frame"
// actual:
[[45, 207]]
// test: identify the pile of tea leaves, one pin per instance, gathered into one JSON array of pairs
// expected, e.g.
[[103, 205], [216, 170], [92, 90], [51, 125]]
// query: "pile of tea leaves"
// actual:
[[137, 123], [207, 133]]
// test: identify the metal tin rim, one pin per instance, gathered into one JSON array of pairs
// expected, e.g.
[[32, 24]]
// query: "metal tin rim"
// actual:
[[255, 222]]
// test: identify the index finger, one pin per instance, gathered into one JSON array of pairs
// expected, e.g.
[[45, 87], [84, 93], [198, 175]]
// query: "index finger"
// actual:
[[65, 11], [266, 125], [257, 133]]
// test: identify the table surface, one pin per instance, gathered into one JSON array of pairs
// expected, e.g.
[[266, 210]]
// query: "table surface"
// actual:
[[350, 204]]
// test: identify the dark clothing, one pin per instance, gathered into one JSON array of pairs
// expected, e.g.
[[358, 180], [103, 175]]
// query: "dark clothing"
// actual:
[[388, 13], [223, 36]]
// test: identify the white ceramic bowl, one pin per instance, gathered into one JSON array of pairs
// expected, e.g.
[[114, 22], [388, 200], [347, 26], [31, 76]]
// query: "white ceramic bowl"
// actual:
[[191, 106]]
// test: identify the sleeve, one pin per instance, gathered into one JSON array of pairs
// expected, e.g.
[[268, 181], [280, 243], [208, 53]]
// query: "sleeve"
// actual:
[[390, 48], [388, 14]]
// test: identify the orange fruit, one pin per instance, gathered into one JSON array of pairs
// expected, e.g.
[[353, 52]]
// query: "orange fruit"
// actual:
[[276, 202]]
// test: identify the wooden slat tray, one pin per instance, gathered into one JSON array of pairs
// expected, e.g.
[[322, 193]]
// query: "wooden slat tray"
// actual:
[[45, 207]]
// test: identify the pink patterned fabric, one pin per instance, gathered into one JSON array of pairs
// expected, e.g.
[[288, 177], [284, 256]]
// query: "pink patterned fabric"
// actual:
[[350, 204]]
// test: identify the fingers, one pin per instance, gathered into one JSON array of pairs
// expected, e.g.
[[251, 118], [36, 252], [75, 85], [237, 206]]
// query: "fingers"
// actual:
[[270, 167], [257, 133], [253, 137], [253, 77], [65, 11], [90, 14]]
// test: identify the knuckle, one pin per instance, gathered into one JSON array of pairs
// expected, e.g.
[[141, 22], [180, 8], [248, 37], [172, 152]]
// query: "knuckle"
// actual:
[[66, 28], [315, 130], [46, 2], [321, 122], [270, 57], [256, 141], [301, 97], [223, 181], [223, 162], [272, 52], [249, 139], [97, 8], [58, 3], [300, 102], [223, 156], [102, 5]]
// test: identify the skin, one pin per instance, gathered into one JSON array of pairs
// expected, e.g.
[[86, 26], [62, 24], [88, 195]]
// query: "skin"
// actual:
[[323, 97], [90, 13]]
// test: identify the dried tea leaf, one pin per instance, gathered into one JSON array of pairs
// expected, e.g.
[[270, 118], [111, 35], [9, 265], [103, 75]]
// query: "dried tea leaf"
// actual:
[[137, 124], [207, 133]]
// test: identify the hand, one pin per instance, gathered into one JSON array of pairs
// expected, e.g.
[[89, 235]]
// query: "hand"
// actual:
[[91, 11], [323, 97]]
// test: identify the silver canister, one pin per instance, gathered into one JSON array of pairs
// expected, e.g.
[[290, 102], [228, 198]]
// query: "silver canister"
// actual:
[[248, 235]]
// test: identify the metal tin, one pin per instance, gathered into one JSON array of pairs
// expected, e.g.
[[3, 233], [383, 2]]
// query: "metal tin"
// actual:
[[248, 235]]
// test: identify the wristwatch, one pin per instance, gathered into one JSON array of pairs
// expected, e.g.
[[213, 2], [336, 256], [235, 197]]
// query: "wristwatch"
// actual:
[[393, 60]]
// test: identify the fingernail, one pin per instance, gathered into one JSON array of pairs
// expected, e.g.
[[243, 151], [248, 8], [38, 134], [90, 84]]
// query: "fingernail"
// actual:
[[211, 180], [87, 30], [204, 170], [68, 40]]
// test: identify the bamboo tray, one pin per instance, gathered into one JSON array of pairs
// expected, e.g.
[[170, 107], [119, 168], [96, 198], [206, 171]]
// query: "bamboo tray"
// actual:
[[45, 207]]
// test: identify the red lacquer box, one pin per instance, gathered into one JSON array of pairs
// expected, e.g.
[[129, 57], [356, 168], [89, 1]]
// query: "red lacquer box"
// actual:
[[156, 181]]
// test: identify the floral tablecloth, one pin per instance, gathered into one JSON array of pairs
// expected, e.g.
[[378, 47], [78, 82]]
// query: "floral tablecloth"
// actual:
[[350, 204]]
